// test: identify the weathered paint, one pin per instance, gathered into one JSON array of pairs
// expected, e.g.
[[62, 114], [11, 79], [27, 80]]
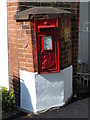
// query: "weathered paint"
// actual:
[[43, 91], [3, 45], [28, 91]]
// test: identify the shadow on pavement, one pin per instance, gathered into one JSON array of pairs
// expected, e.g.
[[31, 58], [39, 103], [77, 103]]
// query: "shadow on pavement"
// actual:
[[77, 107]]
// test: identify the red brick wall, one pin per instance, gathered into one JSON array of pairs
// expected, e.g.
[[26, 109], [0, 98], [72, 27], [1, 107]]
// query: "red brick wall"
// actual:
[[13, 51], [65, 44], [25, 46], [75, 35], [21, 41], [21, 52]]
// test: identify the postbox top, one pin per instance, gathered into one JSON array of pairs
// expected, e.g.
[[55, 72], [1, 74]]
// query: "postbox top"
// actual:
[[24, 15]]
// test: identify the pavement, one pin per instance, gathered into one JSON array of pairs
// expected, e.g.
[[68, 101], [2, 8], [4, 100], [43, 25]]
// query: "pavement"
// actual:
[[76, 108]]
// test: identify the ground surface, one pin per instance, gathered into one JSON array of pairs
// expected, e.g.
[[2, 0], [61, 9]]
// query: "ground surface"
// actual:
[[76, 108]]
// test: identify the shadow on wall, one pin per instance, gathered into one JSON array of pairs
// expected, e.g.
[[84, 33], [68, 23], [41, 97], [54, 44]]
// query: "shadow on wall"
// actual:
[[53, 77], [22, 95], [16, 89], [25, 97]]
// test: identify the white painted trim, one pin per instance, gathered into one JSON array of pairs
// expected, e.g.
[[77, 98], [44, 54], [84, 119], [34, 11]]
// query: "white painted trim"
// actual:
[[3, 45]]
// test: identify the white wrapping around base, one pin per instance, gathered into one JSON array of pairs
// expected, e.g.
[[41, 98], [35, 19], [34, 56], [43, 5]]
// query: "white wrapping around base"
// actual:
[[43, 91]]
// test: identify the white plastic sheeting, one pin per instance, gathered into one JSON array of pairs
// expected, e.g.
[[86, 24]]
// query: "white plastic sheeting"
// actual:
[[43, 91]]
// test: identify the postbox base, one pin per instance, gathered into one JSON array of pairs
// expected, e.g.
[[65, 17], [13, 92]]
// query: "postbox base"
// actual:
[[43, 91]]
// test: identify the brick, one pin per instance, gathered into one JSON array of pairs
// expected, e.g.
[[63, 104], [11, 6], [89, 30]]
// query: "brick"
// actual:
[[11, 21], [21, 55], [12, 8], [28, 56], [10, 3], [29, 61], [22, 63], [25, 26], [20, 50], [22, 59], [28, 32], [21, 46], [30, 69], [29, 65]]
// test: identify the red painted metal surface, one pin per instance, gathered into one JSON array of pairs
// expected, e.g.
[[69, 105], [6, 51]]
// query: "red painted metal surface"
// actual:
[[47, 45]]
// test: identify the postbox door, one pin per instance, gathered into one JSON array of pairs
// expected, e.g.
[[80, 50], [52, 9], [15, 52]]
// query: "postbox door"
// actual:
[[48, 50]]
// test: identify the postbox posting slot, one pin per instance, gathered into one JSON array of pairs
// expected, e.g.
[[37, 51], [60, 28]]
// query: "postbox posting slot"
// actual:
[[46, 26]]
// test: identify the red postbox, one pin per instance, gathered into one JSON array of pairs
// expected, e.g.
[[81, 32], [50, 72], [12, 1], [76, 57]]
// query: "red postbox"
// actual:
[[47, 45]]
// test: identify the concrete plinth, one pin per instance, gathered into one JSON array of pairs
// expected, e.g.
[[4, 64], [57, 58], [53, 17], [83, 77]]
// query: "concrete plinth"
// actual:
[[44, 91]]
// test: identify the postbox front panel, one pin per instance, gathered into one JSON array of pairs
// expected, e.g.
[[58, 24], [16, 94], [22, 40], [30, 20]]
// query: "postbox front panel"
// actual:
[[47, 44]]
